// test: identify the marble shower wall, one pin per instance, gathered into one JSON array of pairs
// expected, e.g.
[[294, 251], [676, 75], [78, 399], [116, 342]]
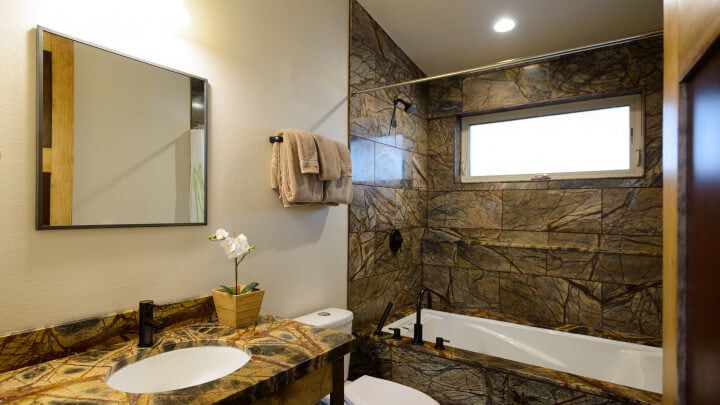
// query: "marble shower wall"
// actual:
[[583, 252], [389, 166]]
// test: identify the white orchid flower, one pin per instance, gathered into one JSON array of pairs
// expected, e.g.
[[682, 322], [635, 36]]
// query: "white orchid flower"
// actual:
[[220, 234]]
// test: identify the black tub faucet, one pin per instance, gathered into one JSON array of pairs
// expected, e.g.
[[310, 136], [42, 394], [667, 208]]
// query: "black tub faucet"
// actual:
[[417, 331], [146, 324]]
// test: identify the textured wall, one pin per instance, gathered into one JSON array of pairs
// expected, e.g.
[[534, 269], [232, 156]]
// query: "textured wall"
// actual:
[[388, 173], [584, 252], [270, 65]]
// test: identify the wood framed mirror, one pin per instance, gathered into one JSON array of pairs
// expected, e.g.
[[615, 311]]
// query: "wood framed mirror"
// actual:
[[121, 142]]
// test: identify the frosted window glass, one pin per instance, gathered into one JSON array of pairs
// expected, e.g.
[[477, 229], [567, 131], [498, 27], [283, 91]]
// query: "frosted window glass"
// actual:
[[583, 141]]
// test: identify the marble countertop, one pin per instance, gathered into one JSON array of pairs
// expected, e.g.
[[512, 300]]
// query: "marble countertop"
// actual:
[[282, 351]]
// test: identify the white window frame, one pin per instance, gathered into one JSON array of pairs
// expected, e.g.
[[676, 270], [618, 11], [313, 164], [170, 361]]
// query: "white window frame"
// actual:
[[636, 148]]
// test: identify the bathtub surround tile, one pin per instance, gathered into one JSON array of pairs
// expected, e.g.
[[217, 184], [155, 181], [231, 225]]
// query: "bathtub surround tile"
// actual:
[[506, 87], [370, 357], [412, 208], [361, 255], [454, 376], [411, 132], [632, 244], [441, 173], [551, 301], [463, 288], [372, 209], [554, 247], [409, 254], [634, 211], [633, 309], [362, 154], [368, 296], [552, 210], [445, 97], [439, 377], [476, 209], [441, 136], [440, 253]]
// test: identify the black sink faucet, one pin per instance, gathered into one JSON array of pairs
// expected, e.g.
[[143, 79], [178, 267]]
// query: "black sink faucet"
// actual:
[[417, 331], [146, 324]]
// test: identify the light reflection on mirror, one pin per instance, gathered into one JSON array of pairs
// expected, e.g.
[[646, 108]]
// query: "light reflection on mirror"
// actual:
[[121, 142]]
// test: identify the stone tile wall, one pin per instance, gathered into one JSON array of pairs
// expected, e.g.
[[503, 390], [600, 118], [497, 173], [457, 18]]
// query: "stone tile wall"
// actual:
[[389, 173], [585, 252], [564, 252]]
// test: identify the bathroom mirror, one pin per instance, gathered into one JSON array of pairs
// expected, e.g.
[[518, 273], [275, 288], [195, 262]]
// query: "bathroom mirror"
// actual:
[[120, 141]]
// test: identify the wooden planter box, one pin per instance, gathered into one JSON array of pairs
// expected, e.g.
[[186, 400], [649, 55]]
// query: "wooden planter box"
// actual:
[[238, 311]]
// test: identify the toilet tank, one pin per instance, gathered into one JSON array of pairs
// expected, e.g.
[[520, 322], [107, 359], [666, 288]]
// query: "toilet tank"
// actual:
[[331, 318]]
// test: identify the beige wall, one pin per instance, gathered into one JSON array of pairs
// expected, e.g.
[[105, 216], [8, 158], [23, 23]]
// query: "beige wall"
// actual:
[[270, 64]]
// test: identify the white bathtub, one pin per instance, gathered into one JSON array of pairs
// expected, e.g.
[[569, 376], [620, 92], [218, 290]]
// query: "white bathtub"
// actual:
[[622, 363]]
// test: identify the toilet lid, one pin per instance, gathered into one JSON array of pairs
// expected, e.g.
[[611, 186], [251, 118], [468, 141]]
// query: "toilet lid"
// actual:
[[368, 390]]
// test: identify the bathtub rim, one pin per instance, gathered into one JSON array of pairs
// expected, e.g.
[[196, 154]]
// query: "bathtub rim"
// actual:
[[500, 365]]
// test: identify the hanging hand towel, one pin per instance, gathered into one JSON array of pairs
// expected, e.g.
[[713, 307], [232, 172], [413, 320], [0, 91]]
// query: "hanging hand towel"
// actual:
[[294, 186], [306, 150], [327, 157]]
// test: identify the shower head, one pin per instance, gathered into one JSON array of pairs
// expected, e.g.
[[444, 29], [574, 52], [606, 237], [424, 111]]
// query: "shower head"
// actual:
[[409, 108]]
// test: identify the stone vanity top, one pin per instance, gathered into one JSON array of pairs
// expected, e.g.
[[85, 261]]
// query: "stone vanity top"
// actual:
[[282, 351]]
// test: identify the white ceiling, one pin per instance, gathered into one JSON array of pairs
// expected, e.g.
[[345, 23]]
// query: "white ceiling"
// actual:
[[443, 36]]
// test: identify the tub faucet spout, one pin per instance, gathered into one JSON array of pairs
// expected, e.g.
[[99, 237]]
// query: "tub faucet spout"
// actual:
[[417, 331]]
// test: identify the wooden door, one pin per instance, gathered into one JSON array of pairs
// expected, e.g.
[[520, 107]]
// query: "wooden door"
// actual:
[[691, 202]]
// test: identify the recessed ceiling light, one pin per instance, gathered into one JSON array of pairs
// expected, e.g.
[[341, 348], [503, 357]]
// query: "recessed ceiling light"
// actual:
[[504, 24]]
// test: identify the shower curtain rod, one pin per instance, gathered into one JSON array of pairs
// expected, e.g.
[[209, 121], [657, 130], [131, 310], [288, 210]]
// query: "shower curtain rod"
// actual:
[[518, 61]]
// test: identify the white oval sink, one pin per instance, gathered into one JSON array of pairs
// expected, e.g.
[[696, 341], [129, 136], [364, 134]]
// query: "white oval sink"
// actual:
[[177, 369]]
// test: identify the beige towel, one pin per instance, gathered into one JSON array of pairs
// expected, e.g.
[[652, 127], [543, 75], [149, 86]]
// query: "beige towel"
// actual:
[[340, 191], [328, 158], [274, 167], [307, 152], [294, 186]]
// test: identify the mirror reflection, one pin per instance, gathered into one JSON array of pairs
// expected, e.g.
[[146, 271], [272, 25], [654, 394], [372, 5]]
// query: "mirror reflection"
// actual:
[[121, 142]]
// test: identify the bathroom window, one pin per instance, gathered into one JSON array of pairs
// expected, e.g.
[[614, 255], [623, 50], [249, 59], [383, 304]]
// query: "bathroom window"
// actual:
[[589, 139]]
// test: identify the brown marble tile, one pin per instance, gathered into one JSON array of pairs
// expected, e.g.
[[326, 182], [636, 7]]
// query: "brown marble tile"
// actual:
[[632, 211], [628, 269], [527, 391], [411, 132], [441, 174], [586, 241], [362, 154], [443, 234], [471, 209], [447, 381], [40, 345], [515, 185], [441, 136], [367, 297], [463, 288], [482, 257], [633, 308], [419, 175], [637, 244], [370, 357], [445, 97], [412, 208], [551, 301], [372, 209], [572, 264], [361, 254], [439, 253], [370, 118], [507, 87], [409, 254], [552, 210], [282, 351]]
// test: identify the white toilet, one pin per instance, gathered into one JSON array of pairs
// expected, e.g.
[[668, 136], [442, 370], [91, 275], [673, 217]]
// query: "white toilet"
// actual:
[[366, 390]]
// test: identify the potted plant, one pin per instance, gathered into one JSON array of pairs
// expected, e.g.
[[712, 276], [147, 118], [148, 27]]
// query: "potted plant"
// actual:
[[238, 306]]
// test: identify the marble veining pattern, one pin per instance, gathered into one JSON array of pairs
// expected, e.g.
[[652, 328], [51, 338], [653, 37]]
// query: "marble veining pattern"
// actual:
[[282, 350]]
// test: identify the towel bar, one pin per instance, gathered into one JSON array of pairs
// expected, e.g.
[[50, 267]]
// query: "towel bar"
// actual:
[[276, 138]]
